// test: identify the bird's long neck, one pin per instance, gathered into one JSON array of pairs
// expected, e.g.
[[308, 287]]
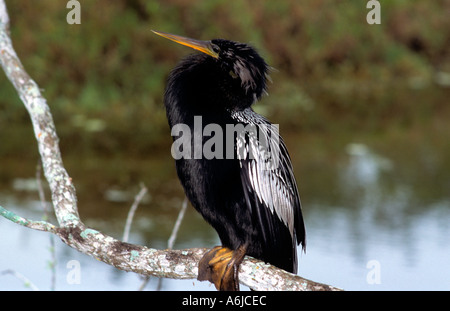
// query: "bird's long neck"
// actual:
[[199, 87]]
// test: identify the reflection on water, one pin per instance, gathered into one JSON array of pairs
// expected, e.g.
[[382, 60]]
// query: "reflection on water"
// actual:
[[364, 166], [377, 216]]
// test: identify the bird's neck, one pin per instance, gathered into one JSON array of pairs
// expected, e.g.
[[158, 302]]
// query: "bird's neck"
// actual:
[[199, 87]]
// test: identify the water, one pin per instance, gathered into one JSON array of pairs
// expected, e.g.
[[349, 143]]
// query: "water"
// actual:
[[377, 212]]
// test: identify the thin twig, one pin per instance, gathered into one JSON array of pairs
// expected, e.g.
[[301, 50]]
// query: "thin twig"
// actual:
[[180, 217], [132, 210], [44, 205], [41, 191], [26, 281], [36, 225], [171, 241], [129, 221]]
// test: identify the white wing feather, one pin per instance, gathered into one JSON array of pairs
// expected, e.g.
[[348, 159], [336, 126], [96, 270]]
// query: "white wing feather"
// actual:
[[267, 165]]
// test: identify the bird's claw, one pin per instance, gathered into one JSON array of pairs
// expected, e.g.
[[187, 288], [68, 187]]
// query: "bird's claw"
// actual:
[[220, 266]]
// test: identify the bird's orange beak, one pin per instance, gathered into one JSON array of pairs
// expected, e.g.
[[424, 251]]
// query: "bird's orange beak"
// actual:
[[202, 46]]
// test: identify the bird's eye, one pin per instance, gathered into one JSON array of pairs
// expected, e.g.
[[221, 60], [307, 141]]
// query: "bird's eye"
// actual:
[[215, 48]]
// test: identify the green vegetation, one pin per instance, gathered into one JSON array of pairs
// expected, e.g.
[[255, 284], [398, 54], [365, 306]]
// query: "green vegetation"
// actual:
[[104, 79]]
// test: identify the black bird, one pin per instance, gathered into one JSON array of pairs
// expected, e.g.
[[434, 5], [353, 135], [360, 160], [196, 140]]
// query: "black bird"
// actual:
[[253, 204]]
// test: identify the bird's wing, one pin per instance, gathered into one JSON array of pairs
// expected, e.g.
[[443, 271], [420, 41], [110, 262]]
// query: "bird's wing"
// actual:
[[266, 171]]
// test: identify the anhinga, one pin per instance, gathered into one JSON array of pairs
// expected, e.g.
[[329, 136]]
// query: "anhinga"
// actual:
[[254, 208]]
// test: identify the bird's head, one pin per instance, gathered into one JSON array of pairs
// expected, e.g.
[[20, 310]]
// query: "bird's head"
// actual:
[[239, 62]]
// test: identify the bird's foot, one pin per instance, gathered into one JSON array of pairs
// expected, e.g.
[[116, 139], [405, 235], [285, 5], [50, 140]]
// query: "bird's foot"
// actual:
[[220, 266]]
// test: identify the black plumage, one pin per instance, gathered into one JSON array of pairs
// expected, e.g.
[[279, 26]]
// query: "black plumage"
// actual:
[[253, 204]]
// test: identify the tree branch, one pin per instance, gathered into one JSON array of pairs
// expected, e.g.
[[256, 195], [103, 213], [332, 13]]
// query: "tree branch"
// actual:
[[177, 264], [63, 192]]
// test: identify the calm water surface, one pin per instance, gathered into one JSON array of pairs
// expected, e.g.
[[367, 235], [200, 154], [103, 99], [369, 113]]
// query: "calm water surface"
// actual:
[[377, 214]]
